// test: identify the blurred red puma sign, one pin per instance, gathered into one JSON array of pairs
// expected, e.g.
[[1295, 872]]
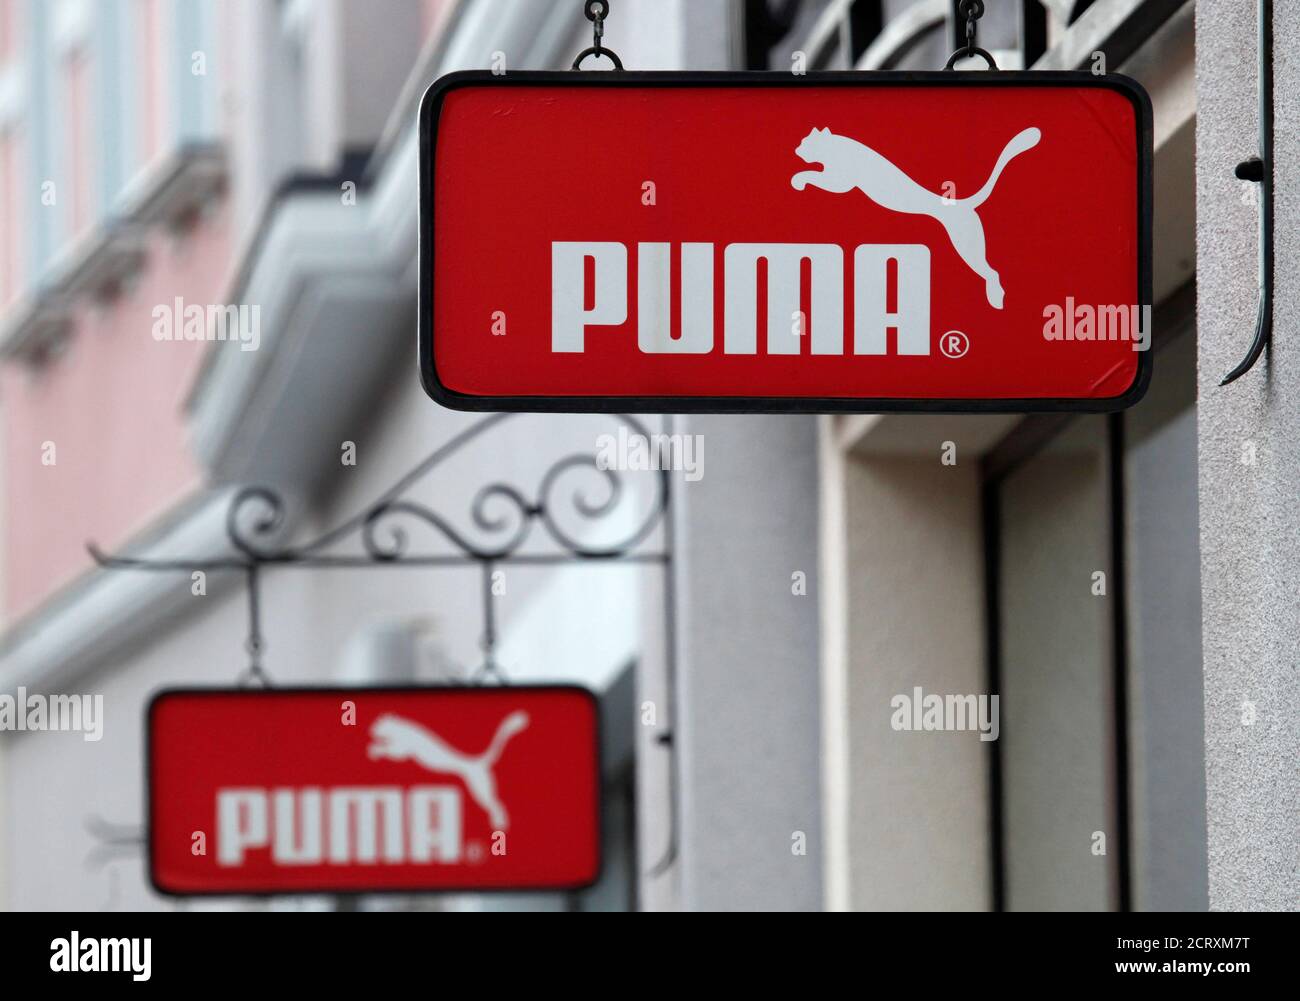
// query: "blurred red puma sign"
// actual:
[[772, 242], [373, 790]]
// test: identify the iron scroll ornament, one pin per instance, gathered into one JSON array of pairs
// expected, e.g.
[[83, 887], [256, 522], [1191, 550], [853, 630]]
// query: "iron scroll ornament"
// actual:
[[257, 515], [504, 516]]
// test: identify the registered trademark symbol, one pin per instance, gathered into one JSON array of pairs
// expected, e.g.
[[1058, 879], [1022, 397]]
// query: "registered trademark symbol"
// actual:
[[954, 344], [474, 851]]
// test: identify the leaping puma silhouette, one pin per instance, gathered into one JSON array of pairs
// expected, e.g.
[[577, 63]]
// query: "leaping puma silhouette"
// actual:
[[849, 164], [400, 740]]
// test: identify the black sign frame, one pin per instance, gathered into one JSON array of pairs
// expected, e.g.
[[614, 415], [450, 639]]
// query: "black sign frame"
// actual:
[[430, 110], [352, 693]]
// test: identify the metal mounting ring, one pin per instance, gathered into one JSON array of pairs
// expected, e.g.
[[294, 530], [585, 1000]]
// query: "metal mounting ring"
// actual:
[[974, 50], [591, 7], [598, 51]]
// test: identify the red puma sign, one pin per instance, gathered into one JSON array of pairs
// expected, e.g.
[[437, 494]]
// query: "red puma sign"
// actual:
[[827, 242], [369, 790]]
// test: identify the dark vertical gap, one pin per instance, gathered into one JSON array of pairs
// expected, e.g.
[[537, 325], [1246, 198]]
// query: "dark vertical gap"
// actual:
[[958, 24], [757, 41], [668, 738], [1033, 31], [1079, 7], [993, 667], [766, 22], [1119, 598], [866, 19]]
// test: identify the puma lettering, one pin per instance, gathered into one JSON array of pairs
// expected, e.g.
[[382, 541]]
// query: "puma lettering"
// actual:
[[742, 323], [348, 825]]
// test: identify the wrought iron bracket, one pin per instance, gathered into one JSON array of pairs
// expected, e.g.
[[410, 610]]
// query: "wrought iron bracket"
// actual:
[[506, 519]]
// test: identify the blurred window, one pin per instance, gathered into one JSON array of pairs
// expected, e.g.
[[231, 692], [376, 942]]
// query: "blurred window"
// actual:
[[80, 162], [893, 34]]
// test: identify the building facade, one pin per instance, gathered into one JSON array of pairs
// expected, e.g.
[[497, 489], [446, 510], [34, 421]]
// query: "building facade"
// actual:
[[1119, 582]]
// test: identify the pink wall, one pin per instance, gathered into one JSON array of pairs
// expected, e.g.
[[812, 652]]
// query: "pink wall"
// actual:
[[12, 204], [112, 404]]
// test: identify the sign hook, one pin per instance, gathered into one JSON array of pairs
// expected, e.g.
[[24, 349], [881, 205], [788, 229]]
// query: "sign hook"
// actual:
[[597, 11], [255, 674], [972, 10], [489, 669], [1259, 170]]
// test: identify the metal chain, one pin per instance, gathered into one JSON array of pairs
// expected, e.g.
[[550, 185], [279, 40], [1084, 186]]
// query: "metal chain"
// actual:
[[255, 674], [489, 669], [972, 11], [596, 12]]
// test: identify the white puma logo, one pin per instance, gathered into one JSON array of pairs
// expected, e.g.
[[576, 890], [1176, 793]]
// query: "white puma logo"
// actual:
[[849, 164], [400, 740]]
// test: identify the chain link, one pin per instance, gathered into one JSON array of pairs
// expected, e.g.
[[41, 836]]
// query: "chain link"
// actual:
[[972, 11], [596, 11], [255, 674]]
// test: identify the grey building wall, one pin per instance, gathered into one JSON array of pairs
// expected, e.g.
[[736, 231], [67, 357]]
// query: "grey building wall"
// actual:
[[1249, 453], [749, 733]]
